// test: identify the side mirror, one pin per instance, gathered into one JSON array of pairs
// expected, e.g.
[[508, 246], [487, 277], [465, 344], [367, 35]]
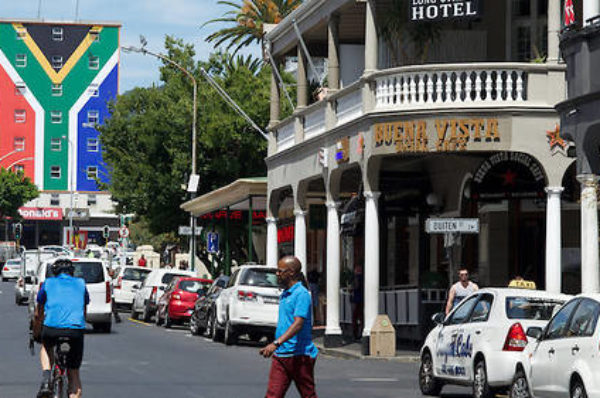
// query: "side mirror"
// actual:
[[534, 332], [438, 318], [161, 288], [29, 280], [136, 286]]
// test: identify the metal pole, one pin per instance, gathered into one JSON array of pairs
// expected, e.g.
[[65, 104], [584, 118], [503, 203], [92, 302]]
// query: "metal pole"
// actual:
[[76, 10], [250, 230], [227, 253], [193, 219], [72, 238]]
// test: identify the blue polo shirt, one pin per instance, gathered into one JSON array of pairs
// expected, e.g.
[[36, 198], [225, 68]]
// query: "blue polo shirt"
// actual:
[[295, 302], [64, 299]]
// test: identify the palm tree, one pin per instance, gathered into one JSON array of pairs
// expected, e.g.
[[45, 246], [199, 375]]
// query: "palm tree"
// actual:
[[247, 19]]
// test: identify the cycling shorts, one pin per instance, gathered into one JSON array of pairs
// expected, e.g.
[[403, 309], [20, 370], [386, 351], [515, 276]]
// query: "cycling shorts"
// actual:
[[50, 338]]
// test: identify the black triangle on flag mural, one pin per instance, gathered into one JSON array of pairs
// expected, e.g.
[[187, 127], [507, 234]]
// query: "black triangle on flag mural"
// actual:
[[57, 46]]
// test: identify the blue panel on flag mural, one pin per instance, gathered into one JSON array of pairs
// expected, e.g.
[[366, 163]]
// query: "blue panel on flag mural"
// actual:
[[213, 242]]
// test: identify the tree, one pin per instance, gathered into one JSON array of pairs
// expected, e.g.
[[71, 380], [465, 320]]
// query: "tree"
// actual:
[[247, 20], [15, 191]]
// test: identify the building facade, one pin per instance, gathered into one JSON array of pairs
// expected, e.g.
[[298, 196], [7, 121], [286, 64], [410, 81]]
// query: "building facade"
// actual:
[[56, 82], [465, 129]]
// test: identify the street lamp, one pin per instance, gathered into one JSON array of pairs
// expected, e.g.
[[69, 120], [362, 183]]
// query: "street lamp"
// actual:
[[72, 147], [11, 153], [144, 51]]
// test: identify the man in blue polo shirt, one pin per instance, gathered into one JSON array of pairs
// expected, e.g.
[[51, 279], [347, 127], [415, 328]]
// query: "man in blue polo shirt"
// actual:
[[294, 352]]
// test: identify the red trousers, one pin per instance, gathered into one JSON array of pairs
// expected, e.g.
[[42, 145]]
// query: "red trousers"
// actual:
[[300, 369]]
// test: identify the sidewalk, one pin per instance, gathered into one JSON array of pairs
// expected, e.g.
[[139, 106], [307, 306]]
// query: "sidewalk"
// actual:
[[353, 351]]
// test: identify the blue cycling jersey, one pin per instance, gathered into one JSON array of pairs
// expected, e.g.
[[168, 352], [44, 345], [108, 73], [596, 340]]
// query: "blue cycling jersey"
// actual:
[[64, 299]]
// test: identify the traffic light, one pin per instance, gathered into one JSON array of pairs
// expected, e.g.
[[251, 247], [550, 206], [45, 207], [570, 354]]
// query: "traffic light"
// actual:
[[106, 231], [18, 231]]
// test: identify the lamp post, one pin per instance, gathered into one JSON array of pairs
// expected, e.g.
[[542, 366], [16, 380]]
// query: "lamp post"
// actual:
[[11, 153], [71, 147], [144, 51]]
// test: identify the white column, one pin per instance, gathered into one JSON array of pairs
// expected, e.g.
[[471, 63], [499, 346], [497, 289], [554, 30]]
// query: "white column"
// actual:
[[371, 271], [371, 42], [553, 240], [554, 16], [333, 270], [591, 8], [590, 281], [300, 238], [272, 242]]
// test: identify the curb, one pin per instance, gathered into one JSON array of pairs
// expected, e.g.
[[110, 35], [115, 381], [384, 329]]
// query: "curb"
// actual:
[[347, 354]]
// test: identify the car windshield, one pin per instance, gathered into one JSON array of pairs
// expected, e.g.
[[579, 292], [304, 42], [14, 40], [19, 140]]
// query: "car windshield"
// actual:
[[259, 277], [133, 274], [167, 278], [534, 308], [13, 262], [88, 271], [193, 286]]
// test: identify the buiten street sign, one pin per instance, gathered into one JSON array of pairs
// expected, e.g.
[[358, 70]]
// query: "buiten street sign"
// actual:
[[450, 225]]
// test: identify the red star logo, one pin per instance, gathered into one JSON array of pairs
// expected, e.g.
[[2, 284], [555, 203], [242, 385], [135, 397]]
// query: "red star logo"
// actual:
[[509, 177], [554, 139]]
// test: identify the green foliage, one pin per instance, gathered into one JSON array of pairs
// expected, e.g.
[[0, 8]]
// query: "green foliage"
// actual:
[[147, 140], [141, 235], [15, 191]]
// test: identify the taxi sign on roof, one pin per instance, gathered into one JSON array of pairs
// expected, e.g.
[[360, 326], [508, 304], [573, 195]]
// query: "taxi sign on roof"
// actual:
[[522, 284]]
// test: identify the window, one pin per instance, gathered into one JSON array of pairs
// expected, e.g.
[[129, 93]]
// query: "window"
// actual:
[[95, 35], [20, 116], [537, 308], [56, 117], [19, 143], [481, 312], [94, 62], [57, 34], [558, 325], [259, 277], [54, 199], [584, 319], [56, 144], [57, 90], [92, 145], [19, 168], [55, 172], [91, 200], [21, 60], [93, 117], [92, 172], [463, 311], [57, 61], [93, 90], [21, 33], [20, 88]]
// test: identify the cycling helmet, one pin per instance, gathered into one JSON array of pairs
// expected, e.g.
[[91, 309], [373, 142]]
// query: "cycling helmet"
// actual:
[[63, 265]]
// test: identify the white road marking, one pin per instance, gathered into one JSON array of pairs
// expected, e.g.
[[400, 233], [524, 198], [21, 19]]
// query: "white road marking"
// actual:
[[374, 379]]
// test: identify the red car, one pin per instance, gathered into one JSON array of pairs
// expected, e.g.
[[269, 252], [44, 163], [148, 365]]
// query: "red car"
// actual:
[[177, 303]]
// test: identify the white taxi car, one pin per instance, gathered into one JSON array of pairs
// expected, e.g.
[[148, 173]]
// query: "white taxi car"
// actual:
[[480, 342], [563, 358]]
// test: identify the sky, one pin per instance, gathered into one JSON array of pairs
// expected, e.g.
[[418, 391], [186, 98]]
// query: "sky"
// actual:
[[154, 19]]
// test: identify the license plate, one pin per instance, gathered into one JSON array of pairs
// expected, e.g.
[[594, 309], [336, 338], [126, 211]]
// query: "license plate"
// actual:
[[271, 300]]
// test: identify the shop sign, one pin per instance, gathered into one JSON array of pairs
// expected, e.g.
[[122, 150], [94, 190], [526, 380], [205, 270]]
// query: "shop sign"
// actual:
[[77, 214], [285, 234], [342, 150], [447, 135], [258, 216], [452, 225], [41, 213], [435, 10]]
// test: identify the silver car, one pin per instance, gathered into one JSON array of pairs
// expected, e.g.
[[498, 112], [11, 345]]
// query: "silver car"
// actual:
[[11, 269]]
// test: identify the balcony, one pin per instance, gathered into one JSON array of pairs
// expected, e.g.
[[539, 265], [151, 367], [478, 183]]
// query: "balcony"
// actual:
[[499, 87]]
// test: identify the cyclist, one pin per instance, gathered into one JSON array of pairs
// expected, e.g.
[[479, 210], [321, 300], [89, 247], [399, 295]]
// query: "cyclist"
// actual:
[[63, 299]]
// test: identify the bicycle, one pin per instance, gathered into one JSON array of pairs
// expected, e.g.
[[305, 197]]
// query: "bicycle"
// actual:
[[59, 382]]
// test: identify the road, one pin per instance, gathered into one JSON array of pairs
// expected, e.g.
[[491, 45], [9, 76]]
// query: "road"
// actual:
[[140, 360]]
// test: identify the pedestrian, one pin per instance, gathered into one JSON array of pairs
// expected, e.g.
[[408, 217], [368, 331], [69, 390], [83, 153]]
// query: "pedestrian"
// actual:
[[357, 300], [113, 274], [460, 289], [142, 261], [294, 354]]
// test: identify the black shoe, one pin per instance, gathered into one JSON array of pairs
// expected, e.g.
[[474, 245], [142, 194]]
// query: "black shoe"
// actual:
[[45, 391]]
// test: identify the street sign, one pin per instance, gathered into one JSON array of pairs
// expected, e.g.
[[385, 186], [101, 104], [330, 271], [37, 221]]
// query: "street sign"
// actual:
[[452, 225], [213, 242], [193, 183], [77, 214], [124, 232], [186, 230]]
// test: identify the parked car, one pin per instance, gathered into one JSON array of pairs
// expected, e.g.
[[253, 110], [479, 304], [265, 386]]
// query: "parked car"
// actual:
[[97, 281], [248, 305], [562, 360], [204, 307], [148, 292], [126, 278], [481, 341], [26, 282], [11, 269], [177, 303]]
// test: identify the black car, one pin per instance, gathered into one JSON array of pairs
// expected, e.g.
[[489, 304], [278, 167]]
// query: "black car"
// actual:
[[203, 313]]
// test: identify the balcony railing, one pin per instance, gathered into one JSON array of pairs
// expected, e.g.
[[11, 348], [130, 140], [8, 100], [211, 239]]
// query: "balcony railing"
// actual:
[[428, 88]]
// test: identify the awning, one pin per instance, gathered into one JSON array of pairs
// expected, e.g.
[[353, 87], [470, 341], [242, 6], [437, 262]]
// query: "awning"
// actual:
[[236, 196]]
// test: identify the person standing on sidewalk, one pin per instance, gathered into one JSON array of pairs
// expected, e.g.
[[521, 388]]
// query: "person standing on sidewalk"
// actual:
[[294, 354], [460, 289], [142, 261]]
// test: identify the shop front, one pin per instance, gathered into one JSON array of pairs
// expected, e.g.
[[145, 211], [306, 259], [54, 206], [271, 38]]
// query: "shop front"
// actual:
[[41, 226]]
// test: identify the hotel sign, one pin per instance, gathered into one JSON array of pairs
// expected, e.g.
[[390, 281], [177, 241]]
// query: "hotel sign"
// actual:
[[443, 135], [436, 10]]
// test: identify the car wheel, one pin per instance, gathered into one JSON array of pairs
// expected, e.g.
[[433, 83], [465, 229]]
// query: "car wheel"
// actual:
[[17, 301], [519, 387], [481, 388], [102, 327], [230, 337], [255, 336], [428, 384], [4, 279], [157, 319], [168, 320], [216, 333], [146, 317], [578, 389], [133, 314], [193, 326]]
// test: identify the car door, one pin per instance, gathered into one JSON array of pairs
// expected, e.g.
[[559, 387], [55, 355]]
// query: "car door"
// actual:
[[224, 298], [544, 362], [453, 345], [477, 331]]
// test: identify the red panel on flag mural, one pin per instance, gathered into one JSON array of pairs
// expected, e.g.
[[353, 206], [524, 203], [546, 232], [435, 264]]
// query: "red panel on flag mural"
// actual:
[[569, 13]]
